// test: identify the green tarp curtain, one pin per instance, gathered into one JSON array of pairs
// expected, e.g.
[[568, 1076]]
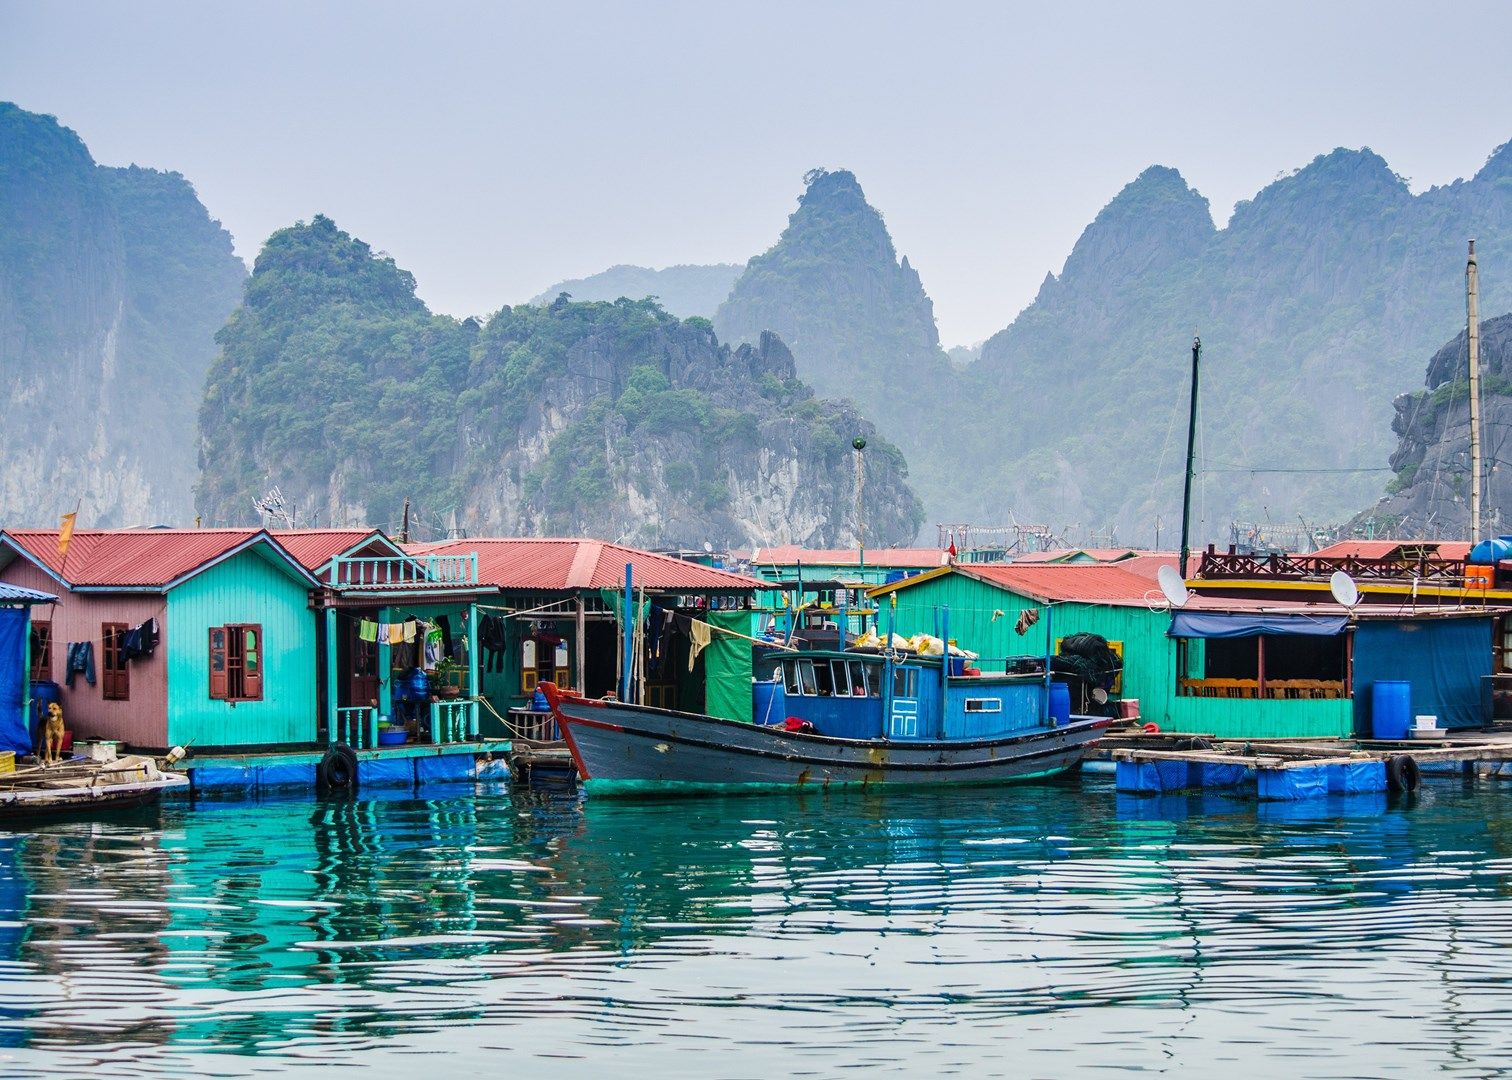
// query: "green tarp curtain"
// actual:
[[727, 667]]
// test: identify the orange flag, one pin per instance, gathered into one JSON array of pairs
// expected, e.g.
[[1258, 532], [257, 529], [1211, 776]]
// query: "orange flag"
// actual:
[[65, 533]]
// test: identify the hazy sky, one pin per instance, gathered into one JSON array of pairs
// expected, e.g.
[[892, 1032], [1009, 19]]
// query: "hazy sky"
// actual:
[[495, 148]]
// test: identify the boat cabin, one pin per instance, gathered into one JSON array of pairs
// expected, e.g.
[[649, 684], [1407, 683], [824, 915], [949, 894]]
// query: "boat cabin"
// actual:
[[871, 695]]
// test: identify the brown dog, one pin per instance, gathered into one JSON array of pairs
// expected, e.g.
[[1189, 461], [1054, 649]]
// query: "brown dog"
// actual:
[[52, 734]]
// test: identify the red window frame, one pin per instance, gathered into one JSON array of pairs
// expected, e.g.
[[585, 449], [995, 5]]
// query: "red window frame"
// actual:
[[236, 662]]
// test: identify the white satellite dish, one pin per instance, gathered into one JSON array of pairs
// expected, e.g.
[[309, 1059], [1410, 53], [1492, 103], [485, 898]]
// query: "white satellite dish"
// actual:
[[1173, 586], [1344, 590]]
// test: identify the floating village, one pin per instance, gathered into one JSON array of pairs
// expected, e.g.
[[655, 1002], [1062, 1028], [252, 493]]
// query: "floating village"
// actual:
[[139, 662]]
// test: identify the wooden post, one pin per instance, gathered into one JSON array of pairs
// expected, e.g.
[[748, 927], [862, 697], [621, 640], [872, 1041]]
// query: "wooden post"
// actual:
[[581, 648], [1260, 665]]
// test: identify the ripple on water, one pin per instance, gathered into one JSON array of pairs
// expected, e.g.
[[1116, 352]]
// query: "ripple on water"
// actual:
[[1038, 929]]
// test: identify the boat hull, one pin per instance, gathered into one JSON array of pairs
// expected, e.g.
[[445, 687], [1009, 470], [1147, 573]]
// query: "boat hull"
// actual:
[[615, 744]]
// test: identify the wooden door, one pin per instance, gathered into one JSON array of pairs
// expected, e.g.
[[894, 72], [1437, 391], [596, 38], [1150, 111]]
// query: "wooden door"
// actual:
[[361, 669]]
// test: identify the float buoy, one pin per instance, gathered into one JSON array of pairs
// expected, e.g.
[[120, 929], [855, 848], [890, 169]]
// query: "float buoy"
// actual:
[[1151, 728], [337, 771]]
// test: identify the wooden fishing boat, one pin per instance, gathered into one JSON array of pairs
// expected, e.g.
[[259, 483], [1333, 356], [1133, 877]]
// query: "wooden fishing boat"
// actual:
[[88, 787], [879, 718]]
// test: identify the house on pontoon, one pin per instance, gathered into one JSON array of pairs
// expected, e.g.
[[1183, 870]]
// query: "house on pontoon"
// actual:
[[1246, 663], [557, 613], [164, 637]]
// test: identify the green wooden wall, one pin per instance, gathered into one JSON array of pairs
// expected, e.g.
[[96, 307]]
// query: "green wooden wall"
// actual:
[[245, 589], [1149, 657]]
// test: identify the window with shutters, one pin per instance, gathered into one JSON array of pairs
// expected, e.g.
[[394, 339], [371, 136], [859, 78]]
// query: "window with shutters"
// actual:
[[115, 681], [41, 652], [236, 662]]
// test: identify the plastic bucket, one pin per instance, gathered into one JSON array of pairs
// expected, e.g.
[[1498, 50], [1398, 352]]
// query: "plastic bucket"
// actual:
[[957, 666], [1390, 709], [768, 702], [1060, 704]]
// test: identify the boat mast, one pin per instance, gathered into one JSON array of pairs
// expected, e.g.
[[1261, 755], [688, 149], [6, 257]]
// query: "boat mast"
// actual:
[[1186, 498], [1472, 320]]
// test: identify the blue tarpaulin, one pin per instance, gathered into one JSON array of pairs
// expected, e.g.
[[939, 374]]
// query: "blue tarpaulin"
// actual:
[[1214, 624], [1443, 659], [15, 624]]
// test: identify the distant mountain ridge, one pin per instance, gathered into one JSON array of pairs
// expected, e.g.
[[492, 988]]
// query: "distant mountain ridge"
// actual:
[[684, 290], [113, 282]]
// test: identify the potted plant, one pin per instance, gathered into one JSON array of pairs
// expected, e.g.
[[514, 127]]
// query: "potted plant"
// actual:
[[447, 678]]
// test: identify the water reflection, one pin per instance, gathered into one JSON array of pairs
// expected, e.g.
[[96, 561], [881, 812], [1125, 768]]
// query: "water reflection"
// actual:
[[955, 931]]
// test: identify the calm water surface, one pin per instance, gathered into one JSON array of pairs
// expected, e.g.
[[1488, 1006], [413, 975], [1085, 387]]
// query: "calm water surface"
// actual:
[[1029, 931]]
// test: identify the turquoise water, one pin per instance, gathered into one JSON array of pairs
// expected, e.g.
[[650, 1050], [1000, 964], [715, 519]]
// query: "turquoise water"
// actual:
[[1028, 931]]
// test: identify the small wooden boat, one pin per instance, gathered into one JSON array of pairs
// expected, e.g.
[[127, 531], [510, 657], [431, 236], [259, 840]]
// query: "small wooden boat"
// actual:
[[847, 718], [79, 786]]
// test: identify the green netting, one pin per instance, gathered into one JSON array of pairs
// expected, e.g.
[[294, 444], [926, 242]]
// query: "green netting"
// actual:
[[727, 667]]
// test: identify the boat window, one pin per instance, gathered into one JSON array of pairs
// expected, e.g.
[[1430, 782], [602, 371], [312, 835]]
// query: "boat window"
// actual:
[[984, 704], [806, 677], [862, 681], [841, 676], [822, 677], [905, 682], [790, 679]]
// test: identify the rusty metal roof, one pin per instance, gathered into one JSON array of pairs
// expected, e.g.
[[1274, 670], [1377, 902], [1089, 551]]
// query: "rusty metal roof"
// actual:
[[1384, 549], [143, 559], [556, 565]]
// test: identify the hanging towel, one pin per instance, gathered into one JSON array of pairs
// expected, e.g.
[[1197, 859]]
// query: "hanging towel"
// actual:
[[367, 630], [409, 630], [701, 633], [396, 634]]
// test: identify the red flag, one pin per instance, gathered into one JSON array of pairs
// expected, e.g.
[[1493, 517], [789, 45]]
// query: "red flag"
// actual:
[[952, 547]]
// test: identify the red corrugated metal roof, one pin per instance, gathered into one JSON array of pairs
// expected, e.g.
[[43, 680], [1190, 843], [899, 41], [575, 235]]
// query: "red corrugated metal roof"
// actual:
[[316, 547], [1101, 555], [887, 558], [1087, 583], [554, 565], [1381, 549], [132, 558]]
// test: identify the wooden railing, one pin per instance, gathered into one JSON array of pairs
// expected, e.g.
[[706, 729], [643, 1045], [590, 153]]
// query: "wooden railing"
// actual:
[[1429, 571], [388, 572], [454, 721], [357, 727], [1273, 690]]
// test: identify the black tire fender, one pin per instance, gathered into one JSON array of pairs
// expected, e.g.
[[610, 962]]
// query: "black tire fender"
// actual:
[[1402, 773], [337, 771]]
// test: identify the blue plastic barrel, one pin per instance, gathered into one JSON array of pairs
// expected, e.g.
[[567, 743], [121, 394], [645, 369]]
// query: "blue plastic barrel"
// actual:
[[1060, 704], [1390, 709], [1490, 552], [768, 702]]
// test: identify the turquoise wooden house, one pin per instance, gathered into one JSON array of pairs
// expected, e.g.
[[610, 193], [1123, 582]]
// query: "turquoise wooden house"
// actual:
[[1213, 685], [165, 637]]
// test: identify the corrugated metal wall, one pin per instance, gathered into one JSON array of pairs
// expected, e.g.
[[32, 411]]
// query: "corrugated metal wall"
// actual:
[[140, 720], [1149, 657], [245, 589]]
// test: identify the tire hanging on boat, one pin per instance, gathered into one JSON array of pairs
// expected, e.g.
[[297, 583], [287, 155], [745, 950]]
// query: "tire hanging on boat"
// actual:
[[1402, 773]]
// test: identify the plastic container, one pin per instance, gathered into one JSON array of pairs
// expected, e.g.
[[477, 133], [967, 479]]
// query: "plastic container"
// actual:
[[1390, 709], [1490, 552], [1128, 708], [1060, 704], [957, 666], [768, 702], [392, 738]]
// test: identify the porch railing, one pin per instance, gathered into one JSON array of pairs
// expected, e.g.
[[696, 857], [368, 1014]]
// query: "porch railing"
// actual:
[[1426, 569], [454, 721], [357, 727], [388, 572]]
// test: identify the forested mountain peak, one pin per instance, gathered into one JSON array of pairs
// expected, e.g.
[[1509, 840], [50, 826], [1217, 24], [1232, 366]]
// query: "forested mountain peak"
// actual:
[[113, 282], [682, 290], [1155, 221], [570, 418]]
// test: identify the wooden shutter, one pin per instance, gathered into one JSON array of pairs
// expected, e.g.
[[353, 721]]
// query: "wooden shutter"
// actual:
[[218, 662], [115, 682], [252, 661]]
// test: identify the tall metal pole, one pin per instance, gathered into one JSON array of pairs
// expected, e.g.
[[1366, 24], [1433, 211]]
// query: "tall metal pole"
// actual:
[[1186, 498], [858, 444], [1472, 319]]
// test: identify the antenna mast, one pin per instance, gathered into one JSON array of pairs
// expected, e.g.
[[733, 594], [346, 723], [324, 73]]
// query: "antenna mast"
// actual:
[[1472, 319], [1186, 498]]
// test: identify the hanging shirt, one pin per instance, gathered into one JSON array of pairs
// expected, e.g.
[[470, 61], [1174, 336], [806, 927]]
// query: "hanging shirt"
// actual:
[[701, 633]]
